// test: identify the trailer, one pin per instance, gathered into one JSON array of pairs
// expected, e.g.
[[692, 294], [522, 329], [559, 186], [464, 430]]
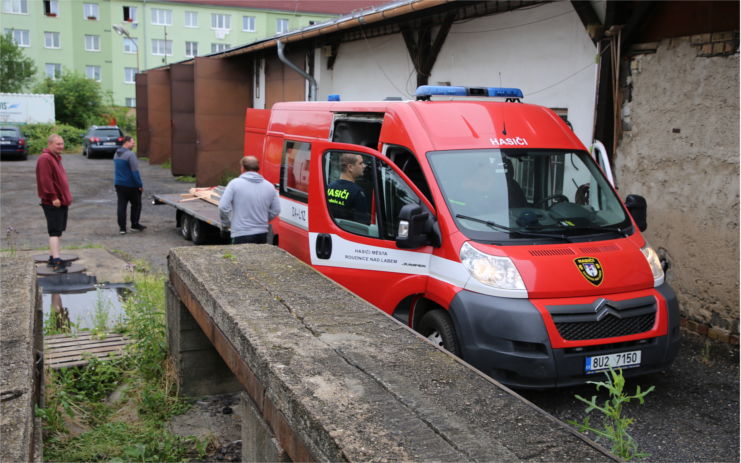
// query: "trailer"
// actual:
[[197, 219]]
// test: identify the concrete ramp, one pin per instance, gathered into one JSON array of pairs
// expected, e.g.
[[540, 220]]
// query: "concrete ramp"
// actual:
[[331, 378]]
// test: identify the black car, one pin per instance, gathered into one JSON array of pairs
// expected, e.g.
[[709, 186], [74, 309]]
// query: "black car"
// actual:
[[102, 140], [13, 143]]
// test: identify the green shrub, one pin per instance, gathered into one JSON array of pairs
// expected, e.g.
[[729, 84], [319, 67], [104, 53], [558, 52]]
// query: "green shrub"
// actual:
[[37, 135], [125, 118]]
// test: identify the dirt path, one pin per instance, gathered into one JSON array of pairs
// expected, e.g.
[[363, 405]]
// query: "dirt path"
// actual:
[[92, 216]]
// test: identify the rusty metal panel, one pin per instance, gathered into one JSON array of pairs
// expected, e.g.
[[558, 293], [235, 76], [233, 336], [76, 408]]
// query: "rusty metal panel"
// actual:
[[283, 83], [183, 120], [160, 118], [222, 93], [142, 116]]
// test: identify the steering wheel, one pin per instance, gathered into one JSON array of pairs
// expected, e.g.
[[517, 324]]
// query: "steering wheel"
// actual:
[[557, 198]]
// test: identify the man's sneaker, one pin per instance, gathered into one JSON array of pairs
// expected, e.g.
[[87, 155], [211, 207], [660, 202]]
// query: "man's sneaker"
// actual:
[[139, 227], [59, 266], [50, 262], [122, 232]]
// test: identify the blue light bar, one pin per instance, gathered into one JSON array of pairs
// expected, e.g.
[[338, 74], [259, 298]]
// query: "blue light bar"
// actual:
[[426, 91], [333, 97]]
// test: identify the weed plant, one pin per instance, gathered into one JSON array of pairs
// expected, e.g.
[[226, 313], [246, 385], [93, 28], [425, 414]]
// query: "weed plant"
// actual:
[[614, 425], [116, 410]]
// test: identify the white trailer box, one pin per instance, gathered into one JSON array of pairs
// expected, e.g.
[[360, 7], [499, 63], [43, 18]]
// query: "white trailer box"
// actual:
[[26, 108]]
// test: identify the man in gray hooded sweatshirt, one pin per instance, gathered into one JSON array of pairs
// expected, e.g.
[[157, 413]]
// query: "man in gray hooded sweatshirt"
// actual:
[[249, 202]]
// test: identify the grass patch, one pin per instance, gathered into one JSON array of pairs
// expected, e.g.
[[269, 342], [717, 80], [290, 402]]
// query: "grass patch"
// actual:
[[166, 164], [185, 179], [116, 409]]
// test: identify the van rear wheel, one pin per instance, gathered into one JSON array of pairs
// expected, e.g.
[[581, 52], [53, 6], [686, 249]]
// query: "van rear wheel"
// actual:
[[438, 328], [185, 227]]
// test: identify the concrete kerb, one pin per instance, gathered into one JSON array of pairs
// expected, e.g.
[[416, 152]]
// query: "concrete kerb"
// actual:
[[21, 347], [339, 379]]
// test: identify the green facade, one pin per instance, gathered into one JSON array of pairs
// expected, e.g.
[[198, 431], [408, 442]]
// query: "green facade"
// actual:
[[38, 23]]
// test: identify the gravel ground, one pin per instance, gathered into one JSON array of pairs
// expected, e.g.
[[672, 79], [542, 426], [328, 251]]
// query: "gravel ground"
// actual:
[[692, 416]]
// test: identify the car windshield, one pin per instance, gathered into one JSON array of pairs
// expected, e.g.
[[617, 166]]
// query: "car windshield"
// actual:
[[516, 194], [8, 132], [107, 133]]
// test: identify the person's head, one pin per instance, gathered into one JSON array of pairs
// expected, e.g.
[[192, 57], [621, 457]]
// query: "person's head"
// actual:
[[128, 142], [250, 164], [352, 165], [55, 144]]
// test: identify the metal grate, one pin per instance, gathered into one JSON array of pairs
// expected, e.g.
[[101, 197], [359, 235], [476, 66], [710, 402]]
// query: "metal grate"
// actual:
[[552, 252], [604, 318], [608, 327]]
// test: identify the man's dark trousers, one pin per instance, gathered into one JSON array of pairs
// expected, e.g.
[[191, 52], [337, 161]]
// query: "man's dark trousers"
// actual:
[[127, 195]]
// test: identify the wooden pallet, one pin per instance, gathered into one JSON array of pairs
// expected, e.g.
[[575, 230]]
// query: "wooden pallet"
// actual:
[[63, 351], [208, 194]]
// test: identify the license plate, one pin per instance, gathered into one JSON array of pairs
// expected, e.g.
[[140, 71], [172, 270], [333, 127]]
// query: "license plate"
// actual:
[[109, 143], [598, 363], [6, 142]]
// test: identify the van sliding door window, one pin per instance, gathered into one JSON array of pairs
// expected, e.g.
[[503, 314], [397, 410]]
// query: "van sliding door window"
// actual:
[[294, 173]]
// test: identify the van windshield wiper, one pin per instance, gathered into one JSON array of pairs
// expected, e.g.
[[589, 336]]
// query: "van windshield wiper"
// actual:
[[512, 230], [597, 228]]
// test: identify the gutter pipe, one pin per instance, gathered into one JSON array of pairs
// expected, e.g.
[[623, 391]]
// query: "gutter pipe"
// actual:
[[312, 82]]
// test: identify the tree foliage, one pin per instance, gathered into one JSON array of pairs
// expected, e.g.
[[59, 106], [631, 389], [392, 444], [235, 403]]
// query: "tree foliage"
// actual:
[[78, 101], [16, 69]]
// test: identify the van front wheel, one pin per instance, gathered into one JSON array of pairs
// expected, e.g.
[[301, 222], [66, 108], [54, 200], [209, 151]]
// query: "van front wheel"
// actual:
[[437, 327]]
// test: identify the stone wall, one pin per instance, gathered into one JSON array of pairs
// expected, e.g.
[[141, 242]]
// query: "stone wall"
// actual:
[[680, 149]]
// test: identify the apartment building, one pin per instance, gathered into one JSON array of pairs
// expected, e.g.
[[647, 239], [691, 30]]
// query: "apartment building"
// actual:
[[109, 41]]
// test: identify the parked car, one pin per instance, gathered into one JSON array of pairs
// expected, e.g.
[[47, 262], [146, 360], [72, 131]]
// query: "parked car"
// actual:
[[13, 143], [102, 140]]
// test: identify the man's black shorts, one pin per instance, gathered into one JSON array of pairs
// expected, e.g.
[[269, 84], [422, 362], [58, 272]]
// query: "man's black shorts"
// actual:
[[56, 219]]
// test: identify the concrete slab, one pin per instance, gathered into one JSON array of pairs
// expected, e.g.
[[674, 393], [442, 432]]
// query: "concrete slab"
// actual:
[[350, 382]]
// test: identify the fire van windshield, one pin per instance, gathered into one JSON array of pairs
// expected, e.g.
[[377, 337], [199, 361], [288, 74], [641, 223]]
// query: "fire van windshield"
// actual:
[[542, 194]]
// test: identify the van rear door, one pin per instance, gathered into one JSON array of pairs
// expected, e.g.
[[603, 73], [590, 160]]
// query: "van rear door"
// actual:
[[355, 199]]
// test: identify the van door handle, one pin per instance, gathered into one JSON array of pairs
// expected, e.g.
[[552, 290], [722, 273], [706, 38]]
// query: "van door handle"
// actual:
[[324, 246]]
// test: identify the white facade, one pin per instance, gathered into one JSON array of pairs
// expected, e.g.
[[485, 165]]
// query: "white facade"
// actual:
[[543, 50]]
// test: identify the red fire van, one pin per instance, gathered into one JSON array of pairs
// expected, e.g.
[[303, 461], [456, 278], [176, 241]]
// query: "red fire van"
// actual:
[[483, 224]]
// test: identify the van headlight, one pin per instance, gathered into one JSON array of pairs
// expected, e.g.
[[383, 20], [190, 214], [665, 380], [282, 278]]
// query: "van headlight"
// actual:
[[494, 271], [654, 263]]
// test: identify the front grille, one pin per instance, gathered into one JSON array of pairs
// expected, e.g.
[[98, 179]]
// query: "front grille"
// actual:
[[604, 318]]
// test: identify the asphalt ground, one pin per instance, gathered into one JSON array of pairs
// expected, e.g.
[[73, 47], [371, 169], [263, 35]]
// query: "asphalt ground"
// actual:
[[691, 416]]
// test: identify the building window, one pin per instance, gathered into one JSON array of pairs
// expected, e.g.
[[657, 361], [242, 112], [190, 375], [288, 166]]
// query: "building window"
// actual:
[[217, 47], [221, 21], [161, 47], [129, 14], [191, 49], [161, 17], [281, 26], [92, 43], [90, 10], [53, 70], [130, 45], [21, 37], [131, 102], [248, 23], [51, 40], [93, 72], [129, 75], [51, 7], [191, 19], [15, 6]]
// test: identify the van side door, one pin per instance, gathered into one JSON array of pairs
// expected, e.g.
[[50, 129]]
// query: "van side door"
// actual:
[[354, 204]]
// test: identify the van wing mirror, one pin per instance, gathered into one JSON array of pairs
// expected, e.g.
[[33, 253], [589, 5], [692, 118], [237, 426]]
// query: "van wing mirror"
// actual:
[[636, 205], [416, 228]]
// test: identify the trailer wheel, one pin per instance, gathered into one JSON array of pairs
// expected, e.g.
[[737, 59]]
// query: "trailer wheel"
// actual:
[[198, 231], [185, 227], [437, 327]]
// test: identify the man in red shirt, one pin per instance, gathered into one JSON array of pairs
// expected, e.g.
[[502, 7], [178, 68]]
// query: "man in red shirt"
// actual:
[[53, 190]]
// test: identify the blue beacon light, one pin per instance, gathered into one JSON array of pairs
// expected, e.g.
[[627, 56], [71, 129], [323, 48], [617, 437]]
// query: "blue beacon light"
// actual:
[[333, 97], [426, 91]]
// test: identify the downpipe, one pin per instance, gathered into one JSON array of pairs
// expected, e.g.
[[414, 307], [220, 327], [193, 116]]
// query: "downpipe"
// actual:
[[304, 74]]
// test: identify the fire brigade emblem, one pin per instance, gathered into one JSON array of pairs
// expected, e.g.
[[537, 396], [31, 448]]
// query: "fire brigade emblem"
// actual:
[[591, 269]]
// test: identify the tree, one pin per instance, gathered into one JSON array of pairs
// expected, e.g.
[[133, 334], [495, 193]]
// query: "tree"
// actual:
[[78, 101], [16, 69]]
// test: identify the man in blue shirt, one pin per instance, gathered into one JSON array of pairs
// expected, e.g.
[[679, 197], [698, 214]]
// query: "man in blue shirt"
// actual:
[[128, 184]]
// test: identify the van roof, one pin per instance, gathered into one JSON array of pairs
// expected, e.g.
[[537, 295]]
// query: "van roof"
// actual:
[[462, 124]]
